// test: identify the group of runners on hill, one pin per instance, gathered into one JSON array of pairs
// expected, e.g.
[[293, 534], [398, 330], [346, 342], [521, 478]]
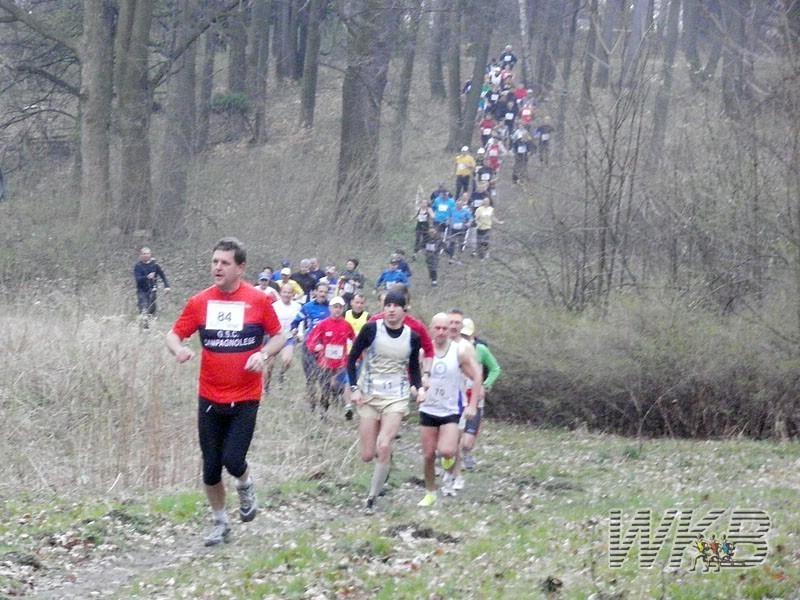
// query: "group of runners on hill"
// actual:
[[461, 219], [373, 364]]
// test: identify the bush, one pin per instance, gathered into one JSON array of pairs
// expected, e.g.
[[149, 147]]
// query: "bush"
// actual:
[[651, 370], [231, 103]]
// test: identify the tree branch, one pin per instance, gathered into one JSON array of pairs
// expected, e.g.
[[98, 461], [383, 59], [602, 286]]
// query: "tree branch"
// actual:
[[18, 14]]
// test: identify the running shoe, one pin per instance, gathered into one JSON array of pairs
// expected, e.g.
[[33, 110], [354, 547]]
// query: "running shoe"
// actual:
[[247, 502], [348, 412], [428, 500], [447, 484], [458, 483], [369, 505], [469, 460], [221, 532]]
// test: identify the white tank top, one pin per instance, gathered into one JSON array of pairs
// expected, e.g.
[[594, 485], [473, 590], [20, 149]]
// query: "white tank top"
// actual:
[[443, 396], [385, 372]]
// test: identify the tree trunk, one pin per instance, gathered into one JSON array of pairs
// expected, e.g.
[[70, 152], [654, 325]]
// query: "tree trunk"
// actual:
[[283, 49], [635, 45], [734, 70], [96, 97], [178, 144], [569, 50], [308, 90], [372, 27], [588, 63], [661, 109], [257, 67], [435, 63], [206, 88], [405, 77], [481, 44], [133, 120], [236, 39], [611, 15], [454, 76], [525, 51]]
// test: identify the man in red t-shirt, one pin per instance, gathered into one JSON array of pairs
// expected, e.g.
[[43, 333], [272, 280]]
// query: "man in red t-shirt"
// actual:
[[329, 341], [233, 319]]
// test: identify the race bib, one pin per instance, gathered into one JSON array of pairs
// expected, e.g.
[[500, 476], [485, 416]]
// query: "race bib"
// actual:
[[492, 152], [348, 287], [487, 131], [545, 137], [509, 116], [430, 247], [387, 385], [522, 148], [443, 208], [225, 316], [333, 351], [458, 226]]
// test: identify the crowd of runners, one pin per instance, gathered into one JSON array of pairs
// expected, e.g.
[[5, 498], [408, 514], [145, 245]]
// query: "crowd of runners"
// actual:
[[372, 367], [376, 367]]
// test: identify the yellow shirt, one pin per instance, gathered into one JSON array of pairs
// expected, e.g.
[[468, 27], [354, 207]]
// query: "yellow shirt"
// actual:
[[483, 217], [465, 164]]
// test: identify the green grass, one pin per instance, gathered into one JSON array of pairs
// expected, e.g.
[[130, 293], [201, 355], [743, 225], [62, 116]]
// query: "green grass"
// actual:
[[536, 507]]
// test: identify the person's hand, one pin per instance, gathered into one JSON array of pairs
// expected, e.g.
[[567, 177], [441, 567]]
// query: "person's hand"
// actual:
[[421, 395], [183, 354], [470, 411], [319, 348], [151, 275], [255, 363], [356, 397]]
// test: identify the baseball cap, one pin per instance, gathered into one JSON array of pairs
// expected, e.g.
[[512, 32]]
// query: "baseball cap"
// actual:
[[263, 275], [465, 148], [395, 297], [337, 300], [481, 150], [286, 271], [468, 328], [285, 263]]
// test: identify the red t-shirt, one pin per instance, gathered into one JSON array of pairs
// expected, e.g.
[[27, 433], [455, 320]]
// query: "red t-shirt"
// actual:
[[232, 327], [417, 326], [333, 334]]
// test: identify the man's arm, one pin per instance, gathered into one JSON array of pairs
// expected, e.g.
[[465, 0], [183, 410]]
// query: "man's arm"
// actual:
[[175, 345], [487, 359], [363, 341], [160, 273]]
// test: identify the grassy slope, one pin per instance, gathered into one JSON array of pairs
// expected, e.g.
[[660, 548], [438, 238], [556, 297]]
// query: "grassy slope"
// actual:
[[536, 507]]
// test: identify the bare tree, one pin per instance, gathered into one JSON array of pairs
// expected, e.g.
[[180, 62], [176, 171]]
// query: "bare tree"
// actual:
[[409, 36], [372, 27], [308, 91], [438, 35], [257, 61]]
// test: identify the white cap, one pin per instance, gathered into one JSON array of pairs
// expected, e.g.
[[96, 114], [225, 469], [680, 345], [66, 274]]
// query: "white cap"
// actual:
[[465, 148], [286, 271], [337, 300]]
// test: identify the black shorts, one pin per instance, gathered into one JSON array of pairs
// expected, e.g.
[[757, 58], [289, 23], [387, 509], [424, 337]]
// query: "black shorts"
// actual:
[[427, 420]]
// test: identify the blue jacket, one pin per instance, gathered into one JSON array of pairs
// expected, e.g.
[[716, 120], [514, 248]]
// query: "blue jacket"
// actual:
[[312, 313], [390, 277]]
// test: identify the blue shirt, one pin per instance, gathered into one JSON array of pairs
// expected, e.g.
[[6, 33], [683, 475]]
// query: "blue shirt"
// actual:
[[441, 209]]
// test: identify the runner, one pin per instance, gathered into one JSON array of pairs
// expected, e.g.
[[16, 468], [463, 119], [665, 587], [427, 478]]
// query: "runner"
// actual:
[[146, 271], [389, 374], [233, 318], [441, 407]]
